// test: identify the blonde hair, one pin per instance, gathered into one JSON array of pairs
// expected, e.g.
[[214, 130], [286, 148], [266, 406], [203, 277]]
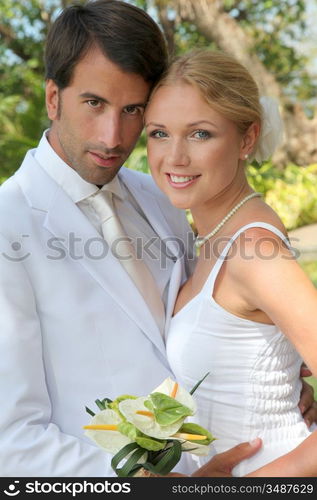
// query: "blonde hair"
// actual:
[[225, 84]]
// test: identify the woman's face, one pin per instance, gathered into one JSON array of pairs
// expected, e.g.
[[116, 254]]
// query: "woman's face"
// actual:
[[193, 151]]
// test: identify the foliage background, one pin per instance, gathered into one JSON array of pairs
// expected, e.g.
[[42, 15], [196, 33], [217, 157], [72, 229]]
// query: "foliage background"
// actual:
[[267, 36], [260, 34]]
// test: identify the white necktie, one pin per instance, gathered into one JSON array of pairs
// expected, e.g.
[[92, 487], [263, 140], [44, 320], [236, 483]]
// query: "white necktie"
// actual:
[[122, 248]]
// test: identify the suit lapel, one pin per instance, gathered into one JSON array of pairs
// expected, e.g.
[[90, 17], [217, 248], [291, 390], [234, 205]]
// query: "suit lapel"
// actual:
[[151, 208], [65, 221]]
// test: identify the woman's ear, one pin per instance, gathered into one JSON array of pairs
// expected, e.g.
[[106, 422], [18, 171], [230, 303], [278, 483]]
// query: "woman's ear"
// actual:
[[52, 98], [249, 140]]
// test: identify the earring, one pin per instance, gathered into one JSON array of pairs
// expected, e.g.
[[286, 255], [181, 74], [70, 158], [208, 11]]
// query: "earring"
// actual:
[[246, 156]]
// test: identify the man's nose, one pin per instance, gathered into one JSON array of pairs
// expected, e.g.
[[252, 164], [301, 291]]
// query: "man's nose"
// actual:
[[178, 155], [109, 130]]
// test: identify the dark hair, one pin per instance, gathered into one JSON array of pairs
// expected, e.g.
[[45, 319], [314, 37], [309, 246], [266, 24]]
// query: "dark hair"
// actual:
[[127, 36]]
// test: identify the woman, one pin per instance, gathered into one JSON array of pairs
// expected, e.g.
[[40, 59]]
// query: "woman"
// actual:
[[247, 314]]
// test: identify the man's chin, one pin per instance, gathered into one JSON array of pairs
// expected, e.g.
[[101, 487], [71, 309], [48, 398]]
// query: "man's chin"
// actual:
[[99, 176]]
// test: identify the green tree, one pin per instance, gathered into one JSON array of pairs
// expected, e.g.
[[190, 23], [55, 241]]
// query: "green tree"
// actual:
[[259, 34], [23, 28]]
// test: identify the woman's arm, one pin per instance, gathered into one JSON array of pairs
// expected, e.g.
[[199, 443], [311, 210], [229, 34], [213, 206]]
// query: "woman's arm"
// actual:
[[300, 462], [270, 280]]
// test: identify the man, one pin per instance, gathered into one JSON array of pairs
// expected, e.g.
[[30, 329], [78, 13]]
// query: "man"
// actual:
[[75, 322]]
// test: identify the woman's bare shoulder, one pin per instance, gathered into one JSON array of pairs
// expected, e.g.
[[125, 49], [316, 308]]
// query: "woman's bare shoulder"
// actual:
[[260, 212]]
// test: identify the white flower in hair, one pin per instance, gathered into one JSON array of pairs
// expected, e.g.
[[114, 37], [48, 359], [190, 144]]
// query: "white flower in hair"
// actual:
[[271, 131]]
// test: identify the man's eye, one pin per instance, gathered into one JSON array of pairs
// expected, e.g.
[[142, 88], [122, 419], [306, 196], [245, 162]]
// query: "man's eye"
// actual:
[[202, 134], [133, 110], [93, 103], [158, 134]]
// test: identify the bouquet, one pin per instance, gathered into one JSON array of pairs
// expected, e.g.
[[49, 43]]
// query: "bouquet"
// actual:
[[149, 432]]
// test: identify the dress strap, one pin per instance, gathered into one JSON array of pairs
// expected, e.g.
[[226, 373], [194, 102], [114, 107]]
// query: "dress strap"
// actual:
[[210, 282]]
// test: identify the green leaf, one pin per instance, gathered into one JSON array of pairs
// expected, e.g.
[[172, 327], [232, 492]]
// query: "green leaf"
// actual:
[[168, 410], [169, 459], [103, 404], [150, 443], [118, 457], [149, 405], [129, 467], [106, 402], [198, 383], [88, 410], [100, 404]]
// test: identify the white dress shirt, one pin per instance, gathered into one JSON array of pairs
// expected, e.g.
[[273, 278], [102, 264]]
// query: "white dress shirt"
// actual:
[[129, 212]]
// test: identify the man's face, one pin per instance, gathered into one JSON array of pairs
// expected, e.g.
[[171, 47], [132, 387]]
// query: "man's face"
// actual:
[[97, 118]]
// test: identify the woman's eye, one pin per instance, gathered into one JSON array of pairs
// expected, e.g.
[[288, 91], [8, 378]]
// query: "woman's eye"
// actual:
[[158, 134], [202, 134]]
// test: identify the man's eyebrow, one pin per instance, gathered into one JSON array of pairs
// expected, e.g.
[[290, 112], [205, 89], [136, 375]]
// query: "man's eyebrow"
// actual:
[[95, 97], [90, 95]]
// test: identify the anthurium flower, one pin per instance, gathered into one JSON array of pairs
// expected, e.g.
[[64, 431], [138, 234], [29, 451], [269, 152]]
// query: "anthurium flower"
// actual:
[[141, 439], [111, 432], [114, 405], [103, 430], [135, 412], [162, 413], [191, 436], [170, 403], [149, 431], [166, 410], [177, 392]]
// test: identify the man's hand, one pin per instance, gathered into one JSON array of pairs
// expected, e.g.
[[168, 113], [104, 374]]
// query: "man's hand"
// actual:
[[221, 465], [307, 405]]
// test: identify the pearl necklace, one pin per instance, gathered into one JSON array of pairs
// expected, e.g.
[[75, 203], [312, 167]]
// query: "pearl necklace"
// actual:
[[200, 240]]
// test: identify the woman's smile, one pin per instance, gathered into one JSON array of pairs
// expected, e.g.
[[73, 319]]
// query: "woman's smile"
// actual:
[[180, 181]]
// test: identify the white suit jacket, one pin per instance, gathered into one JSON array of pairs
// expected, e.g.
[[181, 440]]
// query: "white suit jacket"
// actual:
[[73, 326]]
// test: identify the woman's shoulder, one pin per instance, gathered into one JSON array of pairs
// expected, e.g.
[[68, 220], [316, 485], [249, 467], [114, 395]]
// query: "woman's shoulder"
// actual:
[[260, 221], [259, 236]]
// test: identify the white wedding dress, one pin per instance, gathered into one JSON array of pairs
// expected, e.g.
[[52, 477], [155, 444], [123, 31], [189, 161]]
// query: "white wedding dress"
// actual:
[[253, 388]]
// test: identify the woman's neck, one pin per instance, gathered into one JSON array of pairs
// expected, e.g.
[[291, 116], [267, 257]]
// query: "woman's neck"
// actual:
[[206, 216]]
